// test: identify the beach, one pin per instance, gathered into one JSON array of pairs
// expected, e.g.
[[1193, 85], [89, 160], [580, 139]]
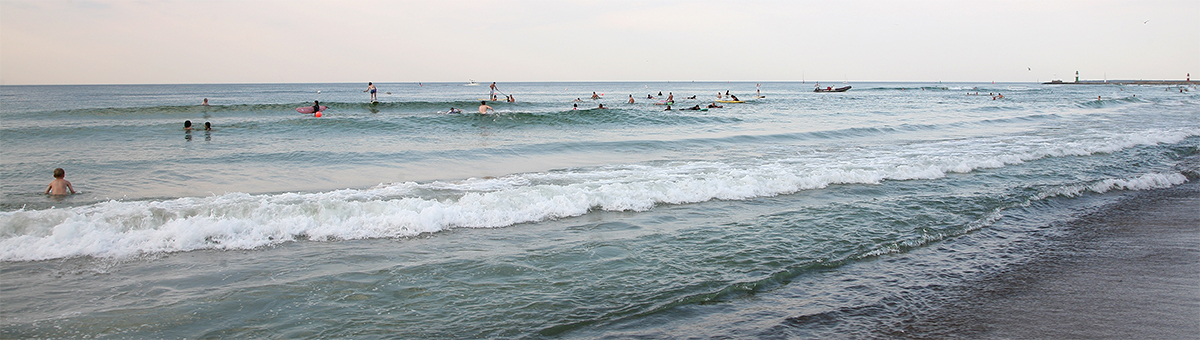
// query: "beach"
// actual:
[[892, 210], [1130, 270]]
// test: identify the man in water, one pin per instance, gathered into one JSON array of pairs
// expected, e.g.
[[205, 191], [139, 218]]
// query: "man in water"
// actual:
[[595, 96], [631, 99], [371, 88], [483, 108]]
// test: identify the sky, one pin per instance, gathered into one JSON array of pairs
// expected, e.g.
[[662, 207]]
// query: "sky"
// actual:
[[314, 41]]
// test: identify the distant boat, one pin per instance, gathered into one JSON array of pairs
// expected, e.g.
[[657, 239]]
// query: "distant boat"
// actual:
[[840, 89], [472, 83]]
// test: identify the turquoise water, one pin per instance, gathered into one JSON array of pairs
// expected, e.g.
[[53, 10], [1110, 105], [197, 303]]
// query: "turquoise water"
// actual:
[[796, 214]]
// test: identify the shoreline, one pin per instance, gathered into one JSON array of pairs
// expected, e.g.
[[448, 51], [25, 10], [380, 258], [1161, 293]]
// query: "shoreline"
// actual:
[[1131, 270]]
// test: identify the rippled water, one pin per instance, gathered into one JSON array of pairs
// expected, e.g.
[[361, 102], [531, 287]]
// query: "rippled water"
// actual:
[[795, 214]]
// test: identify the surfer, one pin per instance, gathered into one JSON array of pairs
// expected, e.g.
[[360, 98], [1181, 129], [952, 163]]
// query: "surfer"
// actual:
[[316, 106], [694, 108], [371, 88], [59, 186], [714, 106], [483, 108], [453, 110], [692, 97], [670, 97], [734, 98], [718, 96]]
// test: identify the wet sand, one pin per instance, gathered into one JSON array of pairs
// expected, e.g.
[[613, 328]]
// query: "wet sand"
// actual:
[[1131, 271]]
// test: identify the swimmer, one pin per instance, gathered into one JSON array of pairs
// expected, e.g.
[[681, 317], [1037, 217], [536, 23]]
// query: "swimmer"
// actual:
[[601, 106], [668, 108], [595, 96], [453, 110], [631, 99], [511, 100], [207, 126], [205, 103], [574, 107], [316, 106], [59, 186], [483, 108], [187, 125]]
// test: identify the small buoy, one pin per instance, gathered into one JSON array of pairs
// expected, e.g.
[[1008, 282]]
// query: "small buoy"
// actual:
[[318, 91], [318, 114]]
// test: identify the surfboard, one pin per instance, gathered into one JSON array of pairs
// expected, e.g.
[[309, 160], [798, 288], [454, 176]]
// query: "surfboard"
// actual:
[[731, 101], [308, 109]]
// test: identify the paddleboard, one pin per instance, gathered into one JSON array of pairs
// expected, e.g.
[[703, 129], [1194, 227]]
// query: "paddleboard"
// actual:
[[731, 101], [308, 109]]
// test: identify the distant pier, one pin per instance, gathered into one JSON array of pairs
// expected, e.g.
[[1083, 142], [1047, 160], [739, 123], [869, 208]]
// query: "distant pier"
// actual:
[[1124, 82]]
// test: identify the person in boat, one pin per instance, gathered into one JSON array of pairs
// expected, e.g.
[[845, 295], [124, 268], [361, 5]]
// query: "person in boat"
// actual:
[[714, 106]]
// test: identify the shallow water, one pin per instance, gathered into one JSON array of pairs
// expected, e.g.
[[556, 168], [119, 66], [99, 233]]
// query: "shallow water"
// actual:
[[797, 214]]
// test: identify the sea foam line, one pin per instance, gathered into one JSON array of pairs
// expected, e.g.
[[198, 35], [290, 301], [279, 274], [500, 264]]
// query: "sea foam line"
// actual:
[[243, 221]]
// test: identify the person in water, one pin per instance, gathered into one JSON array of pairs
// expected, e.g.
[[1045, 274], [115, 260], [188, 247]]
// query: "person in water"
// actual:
[[207, 126], [187, 125], [205, 103], [511, 100], [714, 106], [734, 98], [668, 108], [631, 99], [670, 97], [574, 107], [595, 96], [371, 88], [453, 110], [601, 106], [316, 106], [59, 186], [483, 108], [695, 108]]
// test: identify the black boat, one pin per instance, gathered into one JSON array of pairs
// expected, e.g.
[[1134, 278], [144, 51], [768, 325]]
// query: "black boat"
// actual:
[[830, 89]]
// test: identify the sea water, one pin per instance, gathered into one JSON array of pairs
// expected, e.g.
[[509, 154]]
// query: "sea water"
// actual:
[[793, 214]]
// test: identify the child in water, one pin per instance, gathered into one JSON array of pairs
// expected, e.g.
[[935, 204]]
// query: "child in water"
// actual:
[[59, 186]]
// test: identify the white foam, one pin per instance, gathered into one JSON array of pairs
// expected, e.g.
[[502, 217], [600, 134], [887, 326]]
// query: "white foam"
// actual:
[[243, 221]]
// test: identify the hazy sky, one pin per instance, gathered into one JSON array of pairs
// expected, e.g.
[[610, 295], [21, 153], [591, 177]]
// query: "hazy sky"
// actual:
[[270, 41]]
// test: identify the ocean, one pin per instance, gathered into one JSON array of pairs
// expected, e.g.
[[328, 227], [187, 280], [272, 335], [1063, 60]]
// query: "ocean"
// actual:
[[792, 215]]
